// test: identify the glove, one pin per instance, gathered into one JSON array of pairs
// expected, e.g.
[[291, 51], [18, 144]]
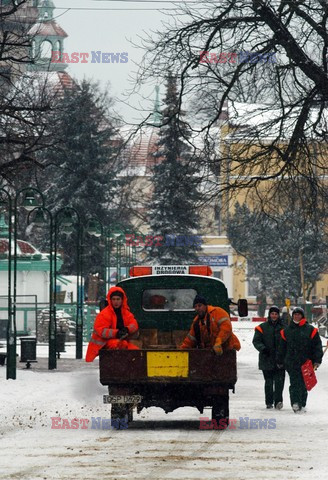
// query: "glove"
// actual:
[[316, 366], [266, 351], [218, 349], [124, 332]]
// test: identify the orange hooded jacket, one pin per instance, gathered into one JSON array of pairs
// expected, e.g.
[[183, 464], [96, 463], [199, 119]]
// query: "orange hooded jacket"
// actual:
[[104, 328], [220, 332]]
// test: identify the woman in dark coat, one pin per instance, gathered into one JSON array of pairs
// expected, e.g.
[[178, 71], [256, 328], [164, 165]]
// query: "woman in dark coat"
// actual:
[[266, 340], [300, 342]]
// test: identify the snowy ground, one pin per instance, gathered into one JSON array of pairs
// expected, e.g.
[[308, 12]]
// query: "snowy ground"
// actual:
[[156, 445]]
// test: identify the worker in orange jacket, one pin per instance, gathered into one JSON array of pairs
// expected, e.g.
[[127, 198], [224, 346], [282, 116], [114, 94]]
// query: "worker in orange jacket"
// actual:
[[113, 325], [210, 328]]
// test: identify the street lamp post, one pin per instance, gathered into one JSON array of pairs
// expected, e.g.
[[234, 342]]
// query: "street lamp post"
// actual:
[[135, 245], [131, 246], [11, 325], [128, 258], [39, 220], [95, 228], [107, 237], [118, 260], [134, 255], [29, 203], [67, 221], [118, 235]]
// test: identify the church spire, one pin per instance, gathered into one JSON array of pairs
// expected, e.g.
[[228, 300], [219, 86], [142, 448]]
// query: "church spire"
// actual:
[[46, 9]]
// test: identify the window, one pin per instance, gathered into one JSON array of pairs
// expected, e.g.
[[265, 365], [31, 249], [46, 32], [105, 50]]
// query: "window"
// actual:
[[46, 49], [218, 274], [169, 299]]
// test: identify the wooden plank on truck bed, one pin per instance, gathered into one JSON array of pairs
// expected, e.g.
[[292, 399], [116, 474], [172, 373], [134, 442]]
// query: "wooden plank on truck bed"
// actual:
[[148, 336], [164, 338]]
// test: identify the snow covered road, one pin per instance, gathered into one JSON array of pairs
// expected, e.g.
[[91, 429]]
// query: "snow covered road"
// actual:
[[156, 445]]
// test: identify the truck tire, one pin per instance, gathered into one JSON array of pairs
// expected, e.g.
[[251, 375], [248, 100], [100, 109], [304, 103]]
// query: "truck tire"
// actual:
[[220, 411], [121, 415]]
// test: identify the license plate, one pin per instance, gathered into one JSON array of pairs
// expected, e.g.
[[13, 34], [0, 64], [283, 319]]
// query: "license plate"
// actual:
[[122, 398]]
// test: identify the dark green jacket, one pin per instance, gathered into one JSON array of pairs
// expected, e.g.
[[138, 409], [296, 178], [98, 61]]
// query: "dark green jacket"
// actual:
[[300, 342], [267, 335]]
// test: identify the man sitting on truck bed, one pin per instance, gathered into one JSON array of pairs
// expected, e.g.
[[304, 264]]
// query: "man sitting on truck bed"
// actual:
[[113, 325], [211, 328]]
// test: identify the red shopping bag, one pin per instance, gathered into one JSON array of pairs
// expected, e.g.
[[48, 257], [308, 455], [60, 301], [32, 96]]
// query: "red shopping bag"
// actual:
[[308, 373]]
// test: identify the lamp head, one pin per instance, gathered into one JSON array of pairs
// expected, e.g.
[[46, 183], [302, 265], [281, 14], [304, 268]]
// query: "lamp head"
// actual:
[[30, 202]]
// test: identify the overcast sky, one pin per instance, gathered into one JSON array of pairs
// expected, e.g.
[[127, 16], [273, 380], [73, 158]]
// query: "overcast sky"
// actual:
[[107, 31]]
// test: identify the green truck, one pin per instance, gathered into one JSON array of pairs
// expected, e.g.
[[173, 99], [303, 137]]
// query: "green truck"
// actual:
[[159, 374]]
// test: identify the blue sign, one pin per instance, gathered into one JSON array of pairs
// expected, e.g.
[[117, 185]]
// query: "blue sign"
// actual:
[[214, 260]]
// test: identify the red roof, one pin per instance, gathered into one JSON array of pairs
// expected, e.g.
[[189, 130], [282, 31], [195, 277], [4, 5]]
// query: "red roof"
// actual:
[[143, 147], [23, 248], [26, 248], [55, 81], [66, 81], [48, 29]]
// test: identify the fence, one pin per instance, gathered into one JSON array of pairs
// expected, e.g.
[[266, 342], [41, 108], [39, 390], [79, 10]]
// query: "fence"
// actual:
[[32, 318], [26, 315]]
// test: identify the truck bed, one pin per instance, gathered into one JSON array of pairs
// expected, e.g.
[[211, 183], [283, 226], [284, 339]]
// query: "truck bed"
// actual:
[[169, 366]]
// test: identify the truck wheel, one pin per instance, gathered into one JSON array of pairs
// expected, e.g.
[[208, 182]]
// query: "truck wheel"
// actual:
[[119, 416], [220, 411]]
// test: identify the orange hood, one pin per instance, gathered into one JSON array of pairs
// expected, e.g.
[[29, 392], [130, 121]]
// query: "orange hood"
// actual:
[[125, 305]]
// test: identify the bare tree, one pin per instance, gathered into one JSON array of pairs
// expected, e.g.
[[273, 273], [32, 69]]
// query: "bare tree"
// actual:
[[24, 97], [232, 53]]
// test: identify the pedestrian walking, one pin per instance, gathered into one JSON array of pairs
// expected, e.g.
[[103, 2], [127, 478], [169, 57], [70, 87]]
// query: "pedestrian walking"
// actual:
[[300, 342], [266, 340]]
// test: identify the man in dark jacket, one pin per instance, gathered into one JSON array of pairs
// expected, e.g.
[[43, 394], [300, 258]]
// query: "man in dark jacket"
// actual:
[[266, 340], [300, 342]]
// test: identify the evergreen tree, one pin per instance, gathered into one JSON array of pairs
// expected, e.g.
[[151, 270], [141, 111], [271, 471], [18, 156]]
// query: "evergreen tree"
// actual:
[[173, 209], [85, 164], [274, 247]]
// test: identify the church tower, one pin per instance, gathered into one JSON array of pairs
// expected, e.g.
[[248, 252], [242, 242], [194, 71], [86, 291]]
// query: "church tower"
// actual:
[[47, 38]]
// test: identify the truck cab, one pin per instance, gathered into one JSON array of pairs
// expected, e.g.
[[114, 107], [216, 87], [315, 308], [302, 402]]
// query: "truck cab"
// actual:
[[159, 374]]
